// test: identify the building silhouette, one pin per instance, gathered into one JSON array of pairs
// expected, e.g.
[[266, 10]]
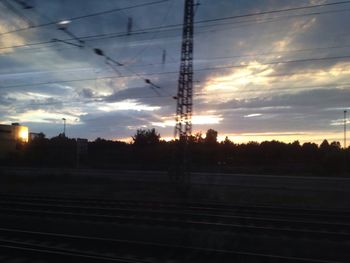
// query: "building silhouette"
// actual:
[[12, 137]]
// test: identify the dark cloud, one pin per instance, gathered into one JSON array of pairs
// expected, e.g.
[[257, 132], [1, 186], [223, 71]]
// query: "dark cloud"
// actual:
[[87, 93], [48, 104]]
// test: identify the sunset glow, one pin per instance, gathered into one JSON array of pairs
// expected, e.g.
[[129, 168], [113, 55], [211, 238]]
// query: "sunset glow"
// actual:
[[284, 74]]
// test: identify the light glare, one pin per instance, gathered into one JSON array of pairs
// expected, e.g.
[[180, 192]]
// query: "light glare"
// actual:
[[64, 22], [23, 134]]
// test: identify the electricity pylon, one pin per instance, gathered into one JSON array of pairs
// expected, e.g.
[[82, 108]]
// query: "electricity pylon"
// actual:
[[183, 128]]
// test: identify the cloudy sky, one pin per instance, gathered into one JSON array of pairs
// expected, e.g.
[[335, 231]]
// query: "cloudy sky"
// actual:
[[263, 69]]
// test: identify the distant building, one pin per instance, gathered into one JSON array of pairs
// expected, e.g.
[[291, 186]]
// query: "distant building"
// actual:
[[12, 137]]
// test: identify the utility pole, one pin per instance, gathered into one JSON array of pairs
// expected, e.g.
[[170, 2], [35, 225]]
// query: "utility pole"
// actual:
[[345, 129], [345, 152], [64, 127], [183, 128]]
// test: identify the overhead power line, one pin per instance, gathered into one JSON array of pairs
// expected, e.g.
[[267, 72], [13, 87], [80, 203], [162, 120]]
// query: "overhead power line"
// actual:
[[31, 44], [172, 27], [138, 54], [283, 88], [296, 73], [102, 99], [86, 16], [254, 55], [176, 72], [109, 60], [197, 22], [250, 55], [274, 11], [16, 12]]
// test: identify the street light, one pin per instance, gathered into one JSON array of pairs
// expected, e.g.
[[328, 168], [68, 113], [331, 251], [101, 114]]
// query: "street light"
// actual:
[[64, 127], [345, 129]]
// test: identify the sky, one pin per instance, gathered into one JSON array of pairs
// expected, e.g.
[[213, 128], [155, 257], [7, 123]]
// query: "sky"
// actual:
[[263, 69]]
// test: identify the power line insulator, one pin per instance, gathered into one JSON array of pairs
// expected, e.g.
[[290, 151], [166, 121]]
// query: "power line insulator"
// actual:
[[129, 26], [164, 57], [98, 52]]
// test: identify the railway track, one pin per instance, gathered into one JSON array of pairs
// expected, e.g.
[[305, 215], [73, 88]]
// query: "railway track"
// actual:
[[215, 208], [54, 247], [274, 221]]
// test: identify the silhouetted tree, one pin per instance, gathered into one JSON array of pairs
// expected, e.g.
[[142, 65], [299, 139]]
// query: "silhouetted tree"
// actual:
[[196, 138], [310, 153], [40, 136], [146, 137], [227, 141], [335, 145], [211, 137], [324, 145], [148, 152]]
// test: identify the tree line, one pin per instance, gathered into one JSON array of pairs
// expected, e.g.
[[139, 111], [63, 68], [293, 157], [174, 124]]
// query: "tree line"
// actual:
[[148, 151]]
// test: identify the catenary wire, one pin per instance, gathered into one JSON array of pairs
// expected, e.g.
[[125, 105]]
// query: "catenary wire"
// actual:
[[85, 16], [172, 27], [175, 72]]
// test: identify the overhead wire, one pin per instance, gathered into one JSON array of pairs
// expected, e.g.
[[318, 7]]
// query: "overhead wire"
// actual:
[[271, 63], [85, 16], [81, 44], [175, 72], [274, 11], [197, 22], [254, 55], [9, 6], [251, 55], [100, 52], [103, 99], [278, 62], [169, 28], [179, 26], [155, 34]]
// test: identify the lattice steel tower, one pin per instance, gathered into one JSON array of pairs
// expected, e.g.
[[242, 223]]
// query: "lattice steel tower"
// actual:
[[183, 128]]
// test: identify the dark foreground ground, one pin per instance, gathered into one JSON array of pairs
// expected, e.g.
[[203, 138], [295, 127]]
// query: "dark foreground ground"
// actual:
[[299, 191], [55, 215]]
